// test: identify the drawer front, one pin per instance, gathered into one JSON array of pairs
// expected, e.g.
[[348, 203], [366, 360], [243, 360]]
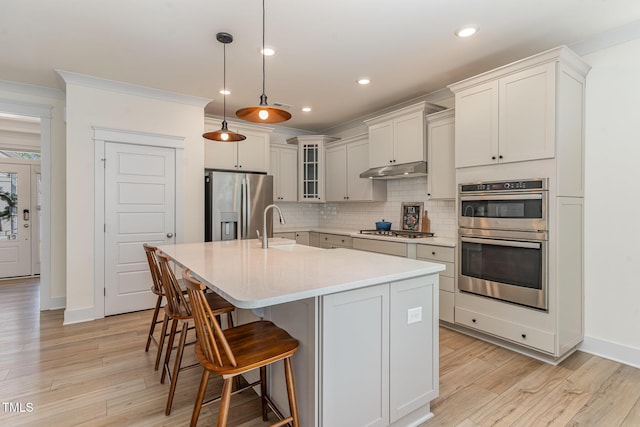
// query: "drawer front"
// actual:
[[446, 305], [335, 240], [433, 252], [380, 246], [286, 235], [449, 268], [446, 283], [511, 331]]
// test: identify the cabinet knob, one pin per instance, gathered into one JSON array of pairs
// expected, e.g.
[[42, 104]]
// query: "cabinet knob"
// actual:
[[433, 253], [326, 238], [524, 336], [473, 320], [390, 161], [500, 156], [493, 157], [342, 241], [347, 197], [428, 194]]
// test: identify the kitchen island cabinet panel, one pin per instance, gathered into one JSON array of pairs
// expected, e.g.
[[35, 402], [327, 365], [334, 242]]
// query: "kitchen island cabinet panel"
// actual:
[[355, 340], [413, 307]]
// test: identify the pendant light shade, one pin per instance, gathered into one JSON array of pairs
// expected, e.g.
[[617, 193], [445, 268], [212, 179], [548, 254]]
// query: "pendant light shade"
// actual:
[[263, 113], [224, 134]]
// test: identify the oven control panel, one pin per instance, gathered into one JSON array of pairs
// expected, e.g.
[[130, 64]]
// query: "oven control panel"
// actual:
[[521, 185]]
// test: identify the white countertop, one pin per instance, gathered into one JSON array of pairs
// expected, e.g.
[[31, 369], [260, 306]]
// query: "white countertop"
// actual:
[[251, 277]]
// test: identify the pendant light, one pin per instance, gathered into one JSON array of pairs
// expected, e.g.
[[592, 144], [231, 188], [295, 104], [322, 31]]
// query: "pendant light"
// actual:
[[263, 113], [224, 134]]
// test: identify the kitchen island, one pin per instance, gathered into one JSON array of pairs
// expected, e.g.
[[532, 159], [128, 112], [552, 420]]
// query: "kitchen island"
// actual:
[[367, 324]]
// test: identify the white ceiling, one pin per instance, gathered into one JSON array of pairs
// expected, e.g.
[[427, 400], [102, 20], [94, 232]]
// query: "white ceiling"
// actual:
[[406, 47]]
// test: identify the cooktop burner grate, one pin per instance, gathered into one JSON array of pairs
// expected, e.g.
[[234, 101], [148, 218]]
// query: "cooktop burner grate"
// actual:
[[407, 234]]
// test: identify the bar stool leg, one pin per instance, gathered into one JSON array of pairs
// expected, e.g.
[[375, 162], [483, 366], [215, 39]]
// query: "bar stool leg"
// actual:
[[199, 398], [223, 412], [154, 321], [163, 334], [169, 350], [291, 391], [173, 378], [263, 392]]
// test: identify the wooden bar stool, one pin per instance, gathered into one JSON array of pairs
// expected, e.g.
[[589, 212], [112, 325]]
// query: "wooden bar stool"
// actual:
[[157, 290], [178, 312], [235, 351]]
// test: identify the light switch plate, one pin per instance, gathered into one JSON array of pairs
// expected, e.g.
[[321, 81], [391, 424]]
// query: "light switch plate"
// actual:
[[414, 315]]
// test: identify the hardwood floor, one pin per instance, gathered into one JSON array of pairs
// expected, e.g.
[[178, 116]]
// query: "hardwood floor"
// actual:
[[98, 374]]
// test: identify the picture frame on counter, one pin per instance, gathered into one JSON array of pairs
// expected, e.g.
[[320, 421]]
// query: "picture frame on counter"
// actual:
[[411, 215]]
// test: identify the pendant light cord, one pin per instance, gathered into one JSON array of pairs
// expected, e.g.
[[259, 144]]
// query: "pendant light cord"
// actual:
[[224, 81], [263, 55]]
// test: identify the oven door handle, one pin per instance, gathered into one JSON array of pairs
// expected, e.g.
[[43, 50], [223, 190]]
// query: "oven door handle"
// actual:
[[494, 197], [510, 243]]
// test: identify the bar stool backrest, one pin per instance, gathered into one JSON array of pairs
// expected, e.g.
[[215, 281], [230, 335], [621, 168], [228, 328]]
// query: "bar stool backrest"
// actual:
[[176, 301]]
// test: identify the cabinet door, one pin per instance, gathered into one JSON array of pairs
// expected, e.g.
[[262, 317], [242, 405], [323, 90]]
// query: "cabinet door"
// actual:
[[253, 152], [284, 168], [527, 114], [476, 127], [355, 345], [381, 144], [408, 137], [441, 180], [358, 162], [220, 155], [336, 174], [413, 309]]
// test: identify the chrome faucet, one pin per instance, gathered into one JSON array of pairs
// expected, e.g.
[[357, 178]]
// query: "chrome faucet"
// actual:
[[265, 239]]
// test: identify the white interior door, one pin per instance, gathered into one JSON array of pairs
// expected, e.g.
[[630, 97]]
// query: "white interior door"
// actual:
[[139, 208], [15, 220]]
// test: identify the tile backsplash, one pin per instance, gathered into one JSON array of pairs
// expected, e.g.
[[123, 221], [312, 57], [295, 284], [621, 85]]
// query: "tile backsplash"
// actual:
[[363, 215]]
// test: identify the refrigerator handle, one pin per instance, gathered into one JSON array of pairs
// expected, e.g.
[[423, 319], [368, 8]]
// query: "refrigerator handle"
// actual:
[[244, 218], [247, 214]]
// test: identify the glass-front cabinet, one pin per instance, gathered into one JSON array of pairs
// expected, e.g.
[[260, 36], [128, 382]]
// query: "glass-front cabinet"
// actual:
[[311, 166]]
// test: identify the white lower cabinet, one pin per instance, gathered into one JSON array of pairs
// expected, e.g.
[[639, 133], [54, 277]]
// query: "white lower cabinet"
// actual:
[[332, 241], [302, 238], [369, 336], [380, 246], [506, 329], [446, 256]]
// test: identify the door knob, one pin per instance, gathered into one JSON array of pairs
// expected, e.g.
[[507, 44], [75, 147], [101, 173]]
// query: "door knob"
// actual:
[[169, 235]]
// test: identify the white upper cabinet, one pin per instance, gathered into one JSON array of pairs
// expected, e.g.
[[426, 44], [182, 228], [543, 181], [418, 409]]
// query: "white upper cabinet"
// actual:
[[284, 168], [311, 160], [251, 155], [345, 160], [397, 137], [441, 178], [511, 114]]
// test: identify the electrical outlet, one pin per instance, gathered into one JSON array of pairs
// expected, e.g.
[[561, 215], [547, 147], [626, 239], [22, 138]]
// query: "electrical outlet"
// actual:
[[414, 315]]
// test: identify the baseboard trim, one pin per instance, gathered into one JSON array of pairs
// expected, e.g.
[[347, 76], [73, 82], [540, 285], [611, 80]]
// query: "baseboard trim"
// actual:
[[610, 350], [56, 303], [78, 316]]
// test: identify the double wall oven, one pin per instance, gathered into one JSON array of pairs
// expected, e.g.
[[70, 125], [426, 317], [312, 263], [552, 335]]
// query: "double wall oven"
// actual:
[[503, 240]]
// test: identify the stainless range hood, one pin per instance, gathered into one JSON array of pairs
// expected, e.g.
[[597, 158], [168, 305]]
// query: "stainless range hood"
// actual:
[[405, 170]]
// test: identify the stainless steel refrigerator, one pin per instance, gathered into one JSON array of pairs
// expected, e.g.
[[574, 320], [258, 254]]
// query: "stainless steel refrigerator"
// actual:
[[234, 204]]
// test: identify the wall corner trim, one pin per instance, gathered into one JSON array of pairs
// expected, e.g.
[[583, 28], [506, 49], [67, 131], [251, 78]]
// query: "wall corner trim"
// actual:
[[77, 316]]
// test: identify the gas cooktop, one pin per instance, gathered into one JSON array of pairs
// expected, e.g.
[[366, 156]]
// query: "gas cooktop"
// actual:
[[406, 234]]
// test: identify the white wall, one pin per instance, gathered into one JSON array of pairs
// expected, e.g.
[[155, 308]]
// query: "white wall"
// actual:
[[88, 107], [612, 157]]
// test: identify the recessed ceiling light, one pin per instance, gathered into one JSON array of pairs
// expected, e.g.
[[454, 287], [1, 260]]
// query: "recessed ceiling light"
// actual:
[[466, 32], [268, 51], [363, 81], [225, 92], [306, 109]]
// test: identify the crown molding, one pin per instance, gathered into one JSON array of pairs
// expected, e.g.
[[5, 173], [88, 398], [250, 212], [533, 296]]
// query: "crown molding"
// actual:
[[70, 77], [607, 39], [26, 89]]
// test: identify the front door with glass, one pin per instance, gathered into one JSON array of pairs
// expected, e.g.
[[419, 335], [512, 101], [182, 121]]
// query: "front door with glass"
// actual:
[[15, 220]]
